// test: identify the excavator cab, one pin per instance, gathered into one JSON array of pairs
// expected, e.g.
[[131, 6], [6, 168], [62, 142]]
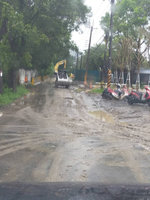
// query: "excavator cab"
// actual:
[[62, 78]]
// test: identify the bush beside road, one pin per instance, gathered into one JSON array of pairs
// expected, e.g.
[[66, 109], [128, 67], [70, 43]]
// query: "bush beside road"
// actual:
[[9, 96]]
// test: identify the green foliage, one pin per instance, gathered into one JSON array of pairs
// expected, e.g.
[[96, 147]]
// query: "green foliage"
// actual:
[[50, 69], [105, 22], [13, 51], [131, 20], [34, 34], [128, 16], [9, 96], [96, 59]]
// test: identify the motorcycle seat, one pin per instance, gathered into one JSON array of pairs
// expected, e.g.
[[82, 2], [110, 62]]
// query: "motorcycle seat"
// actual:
[[140, 94]]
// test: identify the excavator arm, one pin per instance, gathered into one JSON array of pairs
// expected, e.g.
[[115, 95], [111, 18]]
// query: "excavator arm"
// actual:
[[58, 64]]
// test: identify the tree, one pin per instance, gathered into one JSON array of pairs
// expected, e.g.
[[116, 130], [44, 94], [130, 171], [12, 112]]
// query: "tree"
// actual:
[[96, 58], [130, 16], [56, 19], [35, 34], [16, 38]]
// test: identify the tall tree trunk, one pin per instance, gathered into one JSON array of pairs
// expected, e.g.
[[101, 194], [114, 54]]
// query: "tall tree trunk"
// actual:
[[138, 67]]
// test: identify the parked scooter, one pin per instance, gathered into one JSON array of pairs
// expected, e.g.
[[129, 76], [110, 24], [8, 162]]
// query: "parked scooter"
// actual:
[[119, 93], [139, 97]]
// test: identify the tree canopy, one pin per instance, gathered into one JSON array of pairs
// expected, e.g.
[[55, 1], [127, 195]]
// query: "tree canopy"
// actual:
[[130, 31], [35, 34]]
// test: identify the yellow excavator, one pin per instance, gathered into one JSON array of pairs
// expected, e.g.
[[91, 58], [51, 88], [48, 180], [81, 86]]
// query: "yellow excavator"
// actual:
[[62, 78], [62, 62]]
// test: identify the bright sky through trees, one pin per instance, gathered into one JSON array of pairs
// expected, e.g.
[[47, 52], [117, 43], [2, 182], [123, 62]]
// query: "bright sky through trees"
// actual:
[[99, 8]]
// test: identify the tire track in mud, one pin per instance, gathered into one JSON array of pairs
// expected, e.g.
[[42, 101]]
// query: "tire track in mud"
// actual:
[[10, 147], [141, 140], [138, 131], [61, 141], [22, 141]]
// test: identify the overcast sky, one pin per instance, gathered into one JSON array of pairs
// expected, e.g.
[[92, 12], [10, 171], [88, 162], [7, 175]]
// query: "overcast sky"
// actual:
[[99, 8]]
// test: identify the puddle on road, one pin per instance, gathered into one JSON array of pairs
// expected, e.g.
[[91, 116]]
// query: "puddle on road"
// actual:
[[103, 116]]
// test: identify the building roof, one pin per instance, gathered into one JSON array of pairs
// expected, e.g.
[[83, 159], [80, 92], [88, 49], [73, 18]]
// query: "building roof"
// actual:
[[144, 71]]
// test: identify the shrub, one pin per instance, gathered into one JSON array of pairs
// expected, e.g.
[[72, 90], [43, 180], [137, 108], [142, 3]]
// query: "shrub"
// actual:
[[9, 96]]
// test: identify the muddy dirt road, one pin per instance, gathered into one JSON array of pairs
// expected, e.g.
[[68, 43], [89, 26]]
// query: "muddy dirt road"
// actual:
[[58, 135]]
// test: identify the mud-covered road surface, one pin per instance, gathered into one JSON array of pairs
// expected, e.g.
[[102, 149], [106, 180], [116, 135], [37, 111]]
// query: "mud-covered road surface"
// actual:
[[61, 135]]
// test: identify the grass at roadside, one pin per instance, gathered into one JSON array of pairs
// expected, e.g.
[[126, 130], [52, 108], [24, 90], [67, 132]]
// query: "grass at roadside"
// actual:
[[9, 96], [97, 90]]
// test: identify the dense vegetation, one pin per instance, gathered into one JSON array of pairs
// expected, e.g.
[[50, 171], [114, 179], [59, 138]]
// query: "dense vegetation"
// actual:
[[34, 34], [131, 37]]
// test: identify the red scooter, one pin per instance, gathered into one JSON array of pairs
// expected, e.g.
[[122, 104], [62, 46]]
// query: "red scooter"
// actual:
[[116, 94], [139, 97]]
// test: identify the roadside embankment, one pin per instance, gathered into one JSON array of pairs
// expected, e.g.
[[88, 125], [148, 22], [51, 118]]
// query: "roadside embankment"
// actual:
[[8, 96]]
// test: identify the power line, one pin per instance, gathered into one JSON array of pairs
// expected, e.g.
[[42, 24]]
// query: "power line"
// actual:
[[100, 38], [98, 45]]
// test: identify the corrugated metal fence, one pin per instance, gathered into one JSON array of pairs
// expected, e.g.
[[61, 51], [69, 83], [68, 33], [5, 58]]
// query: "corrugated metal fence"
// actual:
[[93, 75]]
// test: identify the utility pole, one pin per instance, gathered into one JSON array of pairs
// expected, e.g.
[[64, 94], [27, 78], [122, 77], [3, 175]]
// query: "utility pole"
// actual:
[[110, 44], [105, 68], [1, 82], [88, 54]]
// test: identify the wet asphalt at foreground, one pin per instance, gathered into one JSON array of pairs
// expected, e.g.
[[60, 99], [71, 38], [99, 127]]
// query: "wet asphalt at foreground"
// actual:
[[61, 135]]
